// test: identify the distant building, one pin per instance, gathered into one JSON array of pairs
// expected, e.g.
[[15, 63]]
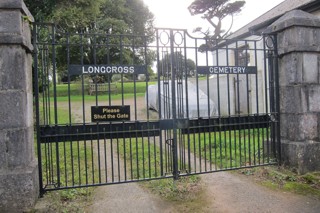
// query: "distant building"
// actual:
[[248, 94], [258, 25]]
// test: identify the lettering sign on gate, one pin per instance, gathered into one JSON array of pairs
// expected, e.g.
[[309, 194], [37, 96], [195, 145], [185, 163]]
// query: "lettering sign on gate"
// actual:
[[210, 70], [110, 113], [106, 69]]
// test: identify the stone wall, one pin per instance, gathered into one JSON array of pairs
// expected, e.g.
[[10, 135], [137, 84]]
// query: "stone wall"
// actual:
[[298, 35], [19, 187]]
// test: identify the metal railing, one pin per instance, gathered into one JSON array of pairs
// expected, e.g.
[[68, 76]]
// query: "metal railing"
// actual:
[[207, 110]]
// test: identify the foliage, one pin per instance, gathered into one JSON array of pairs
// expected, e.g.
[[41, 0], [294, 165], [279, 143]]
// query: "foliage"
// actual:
[[41, 9], [103, 16], [88, 32], [215, 11]]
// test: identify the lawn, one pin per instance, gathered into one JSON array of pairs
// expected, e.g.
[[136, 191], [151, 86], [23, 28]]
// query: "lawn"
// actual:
[[232, 149], [76, 89], [66, 163]]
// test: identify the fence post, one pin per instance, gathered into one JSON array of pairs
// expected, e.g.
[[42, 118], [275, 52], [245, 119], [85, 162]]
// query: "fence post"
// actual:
[[19, 185], [298, 36]]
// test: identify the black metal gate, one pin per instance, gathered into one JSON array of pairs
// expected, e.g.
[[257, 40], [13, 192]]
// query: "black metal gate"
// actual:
[[102, 117]]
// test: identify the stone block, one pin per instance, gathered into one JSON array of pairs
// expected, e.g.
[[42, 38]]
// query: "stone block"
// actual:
[[16, 4], [298, 31], [15, 29], [27, 38], [310, 68], [293, 99], [299, 127], [294, 18], [19, 189], [13, 113], [11, 22], [3, 150], [308, 126], [29, 74], [292, 124], [12, 4], [304, 157], [18, 148], [314, 98], [290, 69], [298, 39], [283, 126], [15, 73]]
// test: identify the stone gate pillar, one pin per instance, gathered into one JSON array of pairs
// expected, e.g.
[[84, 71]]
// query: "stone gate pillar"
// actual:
[[298, 35], [19, 187]]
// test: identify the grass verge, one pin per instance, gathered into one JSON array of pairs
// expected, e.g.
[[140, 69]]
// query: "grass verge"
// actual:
[[74, 162], [72, 200], [185, 189], [280, 178], [146, 159]]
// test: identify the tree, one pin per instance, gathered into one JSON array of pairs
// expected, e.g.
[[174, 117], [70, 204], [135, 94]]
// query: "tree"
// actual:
[[182, 65], [106, 17], [76, 15], [215, 11], [41, 9]]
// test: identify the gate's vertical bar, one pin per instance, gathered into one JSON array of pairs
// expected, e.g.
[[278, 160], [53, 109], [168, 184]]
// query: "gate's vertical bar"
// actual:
[[83, 110], [219, 109], [197, 136], [147, 100], [174, 109], [257, 101], [266, 77], [36, 97], [272, 98], [187, 102], [135, 117], [248, 88], [45, 84], [159, 100], [122, 43], [276, 73], [53, 45], [69, 77], [232, 158], [69, 105], [194, 135], [95, 46], [237, 110]]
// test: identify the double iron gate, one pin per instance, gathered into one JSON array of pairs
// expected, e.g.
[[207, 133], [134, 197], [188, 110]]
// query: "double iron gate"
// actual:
[[103, 117]]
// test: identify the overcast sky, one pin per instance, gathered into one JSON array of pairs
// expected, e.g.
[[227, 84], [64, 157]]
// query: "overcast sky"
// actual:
[[174, 13]]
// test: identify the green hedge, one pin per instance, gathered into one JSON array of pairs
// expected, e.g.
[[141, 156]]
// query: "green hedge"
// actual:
[[128, 87], [62, 89], [76, 88]]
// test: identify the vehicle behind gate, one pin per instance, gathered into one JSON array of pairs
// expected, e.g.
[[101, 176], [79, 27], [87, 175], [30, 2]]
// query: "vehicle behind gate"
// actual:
[[124, 108]]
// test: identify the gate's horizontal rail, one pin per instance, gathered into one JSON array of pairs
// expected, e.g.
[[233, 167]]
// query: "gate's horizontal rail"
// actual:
[[79, 132], [227, 124]]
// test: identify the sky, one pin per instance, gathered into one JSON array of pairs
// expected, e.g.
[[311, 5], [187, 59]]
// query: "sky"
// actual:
[[174, 13]]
